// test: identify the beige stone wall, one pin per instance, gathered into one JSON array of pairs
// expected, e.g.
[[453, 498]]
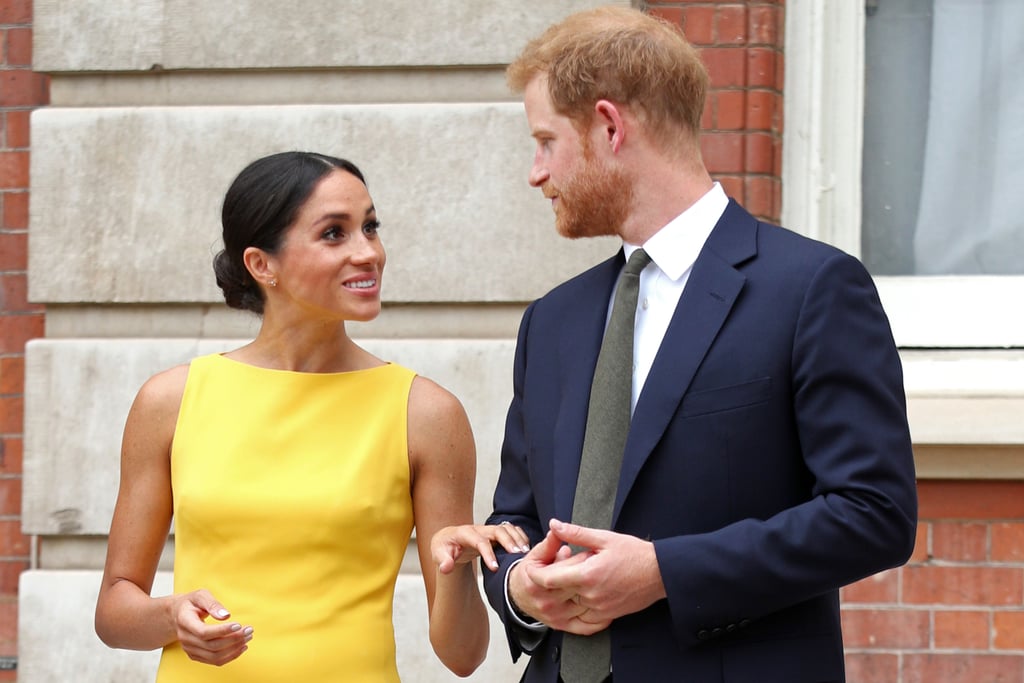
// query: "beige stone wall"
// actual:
[[156, 105]]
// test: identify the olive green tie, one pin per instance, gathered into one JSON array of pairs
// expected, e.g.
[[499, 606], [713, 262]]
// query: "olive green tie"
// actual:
[[587, 659]]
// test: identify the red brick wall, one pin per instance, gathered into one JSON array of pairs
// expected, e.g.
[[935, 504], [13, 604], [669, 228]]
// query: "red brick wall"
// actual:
[[955, 612], [20, 91], [742, 45]]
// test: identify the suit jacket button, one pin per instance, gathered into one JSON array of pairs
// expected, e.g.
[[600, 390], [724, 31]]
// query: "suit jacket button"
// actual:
[[730, 628], [715, 632], [703, 634], [745, 623]]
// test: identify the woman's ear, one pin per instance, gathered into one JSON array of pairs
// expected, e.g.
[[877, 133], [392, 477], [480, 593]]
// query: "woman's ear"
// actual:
[[259, 265], [613, 130]]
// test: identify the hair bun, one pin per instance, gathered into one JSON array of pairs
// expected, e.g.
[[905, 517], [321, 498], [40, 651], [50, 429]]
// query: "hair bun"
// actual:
[[239, 288]]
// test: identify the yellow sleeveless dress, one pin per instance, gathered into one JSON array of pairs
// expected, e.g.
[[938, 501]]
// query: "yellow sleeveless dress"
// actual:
[[292, 507]]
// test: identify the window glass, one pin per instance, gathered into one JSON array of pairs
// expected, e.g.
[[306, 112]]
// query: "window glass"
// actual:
[[943, 164]]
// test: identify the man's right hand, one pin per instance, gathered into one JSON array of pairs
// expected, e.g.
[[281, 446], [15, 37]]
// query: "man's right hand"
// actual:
[[555, 606]]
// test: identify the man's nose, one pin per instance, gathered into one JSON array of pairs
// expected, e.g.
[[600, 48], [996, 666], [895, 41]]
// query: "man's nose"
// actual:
[[538, 175]]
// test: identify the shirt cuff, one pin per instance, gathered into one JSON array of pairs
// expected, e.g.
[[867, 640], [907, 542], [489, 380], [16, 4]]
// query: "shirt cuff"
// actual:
[[530, 632]]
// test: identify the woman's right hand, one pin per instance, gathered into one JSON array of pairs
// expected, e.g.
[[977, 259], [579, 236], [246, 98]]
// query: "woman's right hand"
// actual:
[[461, 544], [209, 643]]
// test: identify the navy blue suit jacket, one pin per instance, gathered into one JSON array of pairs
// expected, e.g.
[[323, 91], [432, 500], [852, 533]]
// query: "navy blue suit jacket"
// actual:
[[769, 457]]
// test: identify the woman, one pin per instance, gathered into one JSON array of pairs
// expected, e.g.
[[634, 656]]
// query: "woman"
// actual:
[[296, 466]]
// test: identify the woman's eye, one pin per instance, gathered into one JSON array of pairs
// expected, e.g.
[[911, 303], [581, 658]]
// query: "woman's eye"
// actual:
[[331, 233], [372, 227]]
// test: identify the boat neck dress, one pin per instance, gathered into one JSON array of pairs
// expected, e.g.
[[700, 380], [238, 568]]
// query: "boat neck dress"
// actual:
[[292, 506]]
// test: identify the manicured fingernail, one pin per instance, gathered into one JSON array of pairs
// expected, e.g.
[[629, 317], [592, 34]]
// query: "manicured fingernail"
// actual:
[[236, 627], [248, 631], [221, 613]]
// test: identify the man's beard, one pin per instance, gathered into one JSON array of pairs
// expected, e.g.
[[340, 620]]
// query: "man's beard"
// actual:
[[594, 202]]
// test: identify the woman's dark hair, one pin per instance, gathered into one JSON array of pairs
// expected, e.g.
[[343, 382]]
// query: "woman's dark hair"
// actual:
[[258, 207]]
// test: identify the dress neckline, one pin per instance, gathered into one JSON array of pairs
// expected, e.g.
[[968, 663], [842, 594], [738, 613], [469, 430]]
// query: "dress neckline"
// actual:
[[298, 373]]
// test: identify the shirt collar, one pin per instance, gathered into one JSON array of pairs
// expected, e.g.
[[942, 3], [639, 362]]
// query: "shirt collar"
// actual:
[[676, 246]]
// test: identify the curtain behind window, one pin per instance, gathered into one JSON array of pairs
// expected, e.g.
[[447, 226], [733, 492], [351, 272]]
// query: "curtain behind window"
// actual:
[[944, 138]]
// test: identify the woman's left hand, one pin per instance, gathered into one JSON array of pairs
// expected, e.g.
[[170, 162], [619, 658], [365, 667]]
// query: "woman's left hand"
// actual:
[[454, 545]]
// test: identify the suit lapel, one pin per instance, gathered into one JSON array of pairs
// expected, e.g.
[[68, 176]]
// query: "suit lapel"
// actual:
[[579, 345], [703, 308]]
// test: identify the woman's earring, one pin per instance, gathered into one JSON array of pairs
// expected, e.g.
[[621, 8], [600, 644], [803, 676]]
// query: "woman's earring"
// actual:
[[273, 282]]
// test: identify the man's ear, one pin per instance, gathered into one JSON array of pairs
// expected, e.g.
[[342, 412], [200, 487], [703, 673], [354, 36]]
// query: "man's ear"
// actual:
[[611, 121], [259, 265]]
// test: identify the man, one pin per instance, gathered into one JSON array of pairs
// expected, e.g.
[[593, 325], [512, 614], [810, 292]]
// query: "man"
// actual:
[[768, 459]]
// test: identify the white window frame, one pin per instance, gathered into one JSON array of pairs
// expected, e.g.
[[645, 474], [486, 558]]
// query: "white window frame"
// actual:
[[821, 186]]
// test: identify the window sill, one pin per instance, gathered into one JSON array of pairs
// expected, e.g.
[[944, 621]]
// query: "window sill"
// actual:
[[966, 411]]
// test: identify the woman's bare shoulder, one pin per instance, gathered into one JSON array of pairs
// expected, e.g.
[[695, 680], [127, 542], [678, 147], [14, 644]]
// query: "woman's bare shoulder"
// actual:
[[438, 424], [161, 394], [430, 401], [149, 427]]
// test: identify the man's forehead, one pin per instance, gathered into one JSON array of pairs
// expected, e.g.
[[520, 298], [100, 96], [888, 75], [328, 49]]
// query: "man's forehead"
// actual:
[[537, 101]]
